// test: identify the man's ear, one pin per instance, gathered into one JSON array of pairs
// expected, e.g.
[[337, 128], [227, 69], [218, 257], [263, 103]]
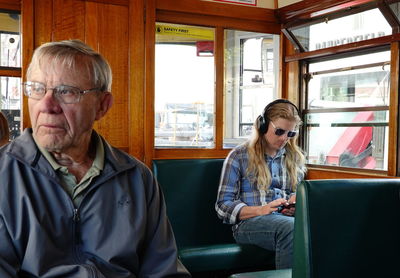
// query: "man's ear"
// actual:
[[106, 101]]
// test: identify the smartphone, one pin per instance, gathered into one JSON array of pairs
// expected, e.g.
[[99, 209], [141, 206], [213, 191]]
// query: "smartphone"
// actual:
[[288, 206]]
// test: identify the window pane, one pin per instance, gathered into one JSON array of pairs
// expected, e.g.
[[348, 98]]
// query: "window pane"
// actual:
[[352, 139], [395, 7], [365, 85], [10, 47], [251, 72], [356, 138], [11, 103], [184, 86], [357, 27]]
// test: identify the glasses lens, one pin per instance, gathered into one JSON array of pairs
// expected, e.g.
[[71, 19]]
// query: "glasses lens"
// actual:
[[279, 131], [67, 94], [34, 90], [291, 134]]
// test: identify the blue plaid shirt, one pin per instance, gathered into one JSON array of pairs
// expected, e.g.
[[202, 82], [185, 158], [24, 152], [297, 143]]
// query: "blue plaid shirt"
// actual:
[[237, 190]]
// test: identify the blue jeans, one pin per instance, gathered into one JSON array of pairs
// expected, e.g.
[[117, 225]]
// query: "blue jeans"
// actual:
[[272, 232]]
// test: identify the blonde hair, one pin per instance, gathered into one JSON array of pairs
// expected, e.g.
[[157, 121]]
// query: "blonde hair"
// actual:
[[256, 146], [4, 130]]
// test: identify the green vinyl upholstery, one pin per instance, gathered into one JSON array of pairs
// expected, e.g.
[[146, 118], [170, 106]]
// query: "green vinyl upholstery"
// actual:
[[344, 228], [347, 228], [204, 243]]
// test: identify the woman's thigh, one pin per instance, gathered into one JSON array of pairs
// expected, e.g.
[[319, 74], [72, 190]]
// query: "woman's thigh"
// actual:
[[264, 230]]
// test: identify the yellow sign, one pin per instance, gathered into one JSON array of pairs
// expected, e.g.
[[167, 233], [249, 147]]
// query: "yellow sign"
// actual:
[[183, 31]]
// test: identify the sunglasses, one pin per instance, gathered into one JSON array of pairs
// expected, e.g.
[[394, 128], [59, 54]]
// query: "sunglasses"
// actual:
[[280, 131]]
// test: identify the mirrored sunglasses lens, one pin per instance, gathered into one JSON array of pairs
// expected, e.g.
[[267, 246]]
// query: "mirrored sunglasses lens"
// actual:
[[279, 131], [291, 134]]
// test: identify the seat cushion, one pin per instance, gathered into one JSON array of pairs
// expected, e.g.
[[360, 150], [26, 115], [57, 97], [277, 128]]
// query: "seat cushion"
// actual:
[[226, 257], [281, 273]]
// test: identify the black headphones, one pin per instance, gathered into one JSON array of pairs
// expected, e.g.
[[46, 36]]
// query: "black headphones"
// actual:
[[263, 120]]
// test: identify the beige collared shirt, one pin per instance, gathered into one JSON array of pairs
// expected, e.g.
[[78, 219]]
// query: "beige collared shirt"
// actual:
[[68, 180]]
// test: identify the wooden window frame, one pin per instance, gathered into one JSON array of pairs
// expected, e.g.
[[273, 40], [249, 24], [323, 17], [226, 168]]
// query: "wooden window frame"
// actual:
[[209, 14], [302, 58]]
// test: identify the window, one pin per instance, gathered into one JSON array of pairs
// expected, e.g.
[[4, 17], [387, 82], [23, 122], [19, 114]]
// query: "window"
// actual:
[[348, 111], [10, 70], [184, 87], [328, 32], [251, 72]]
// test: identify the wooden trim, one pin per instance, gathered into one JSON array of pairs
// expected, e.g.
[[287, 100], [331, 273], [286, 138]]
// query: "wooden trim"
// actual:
[[10, 72], [217, 9], [355, 46], [150, 26], [282, 80], [219, 50], [309, 9], [321, 173], [11, 5], [111, 2], [394, 110], [212, 21], [137, 75], [190, 153], [28, 42]]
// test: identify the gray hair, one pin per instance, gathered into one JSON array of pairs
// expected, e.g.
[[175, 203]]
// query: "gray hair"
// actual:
[[68, 52]]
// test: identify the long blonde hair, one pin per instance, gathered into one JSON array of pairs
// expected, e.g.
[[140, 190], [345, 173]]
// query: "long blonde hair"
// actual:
[[256, 146], [4, 130]]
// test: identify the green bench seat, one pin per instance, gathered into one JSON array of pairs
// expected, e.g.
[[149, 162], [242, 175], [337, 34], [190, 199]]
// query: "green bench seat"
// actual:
[[345, 228], [204, 243]]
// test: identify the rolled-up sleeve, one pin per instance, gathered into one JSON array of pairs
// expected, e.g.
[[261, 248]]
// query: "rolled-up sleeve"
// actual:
[[228, 202]]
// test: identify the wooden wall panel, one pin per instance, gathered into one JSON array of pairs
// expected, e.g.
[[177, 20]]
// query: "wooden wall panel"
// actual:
[[68, 20], [136, 77], [104, 26], [43, 21], [112, 43]]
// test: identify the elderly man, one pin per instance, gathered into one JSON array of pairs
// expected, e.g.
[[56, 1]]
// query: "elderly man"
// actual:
[[71, 205]]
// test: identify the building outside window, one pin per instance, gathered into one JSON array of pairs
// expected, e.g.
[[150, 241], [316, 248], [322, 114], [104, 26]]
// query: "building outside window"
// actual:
[[10, 61]]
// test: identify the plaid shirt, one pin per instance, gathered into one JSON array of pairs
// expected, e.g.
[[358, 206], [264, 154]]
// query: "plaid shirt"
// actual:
[[237, 190]]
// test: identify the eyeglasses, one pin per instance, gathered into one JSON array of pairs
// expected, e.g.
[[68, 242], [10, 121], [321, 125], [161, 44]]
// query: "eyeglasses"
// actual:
[[280, 131], [63, 93]]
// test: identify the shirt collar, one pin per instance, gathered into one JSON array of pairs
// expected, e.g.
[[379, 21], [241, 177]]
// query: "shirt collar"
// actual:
[[279, 154]]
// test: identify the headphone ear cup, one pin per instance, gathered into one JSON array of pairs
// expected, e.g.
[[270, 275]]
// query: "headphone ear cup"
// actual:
[[262, 124]]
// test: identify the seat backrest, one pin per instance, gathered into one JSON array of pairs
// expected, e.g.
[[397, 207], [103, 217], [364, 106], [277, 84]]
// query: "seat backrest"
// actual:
[[347, 228], [190, 189]]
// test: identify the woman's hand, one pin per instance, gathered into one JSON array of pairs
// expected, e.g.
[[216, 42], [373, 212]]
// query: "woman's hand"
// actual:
[[290, 211], [253, 211], [272, 206]]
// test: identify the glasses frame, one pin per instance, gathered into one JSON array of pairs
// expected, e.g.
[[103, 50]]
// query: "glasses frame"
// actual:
[[281, 132], [56, 92]]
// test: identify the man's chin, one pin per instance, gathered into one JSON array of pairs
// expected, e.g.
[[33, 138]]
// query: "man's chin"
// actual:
[[48, 143]]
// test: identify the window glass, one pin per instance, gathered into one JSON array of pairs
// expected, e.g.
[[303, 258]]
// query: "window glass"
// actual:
[[357, 85], [251, 72], [11, 103], [348, 139], [184, 86], [10, 57], [357, 136], [353, 28], [395, 7]]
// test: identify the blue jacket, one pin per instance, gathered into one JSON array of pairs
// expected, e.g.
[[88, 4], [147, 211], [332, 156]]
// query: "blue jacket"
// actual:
[[119, 230]]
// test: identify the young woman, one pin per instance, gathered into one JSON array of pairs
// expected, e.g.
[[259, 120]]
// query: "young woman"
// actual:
[[259, 179]]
